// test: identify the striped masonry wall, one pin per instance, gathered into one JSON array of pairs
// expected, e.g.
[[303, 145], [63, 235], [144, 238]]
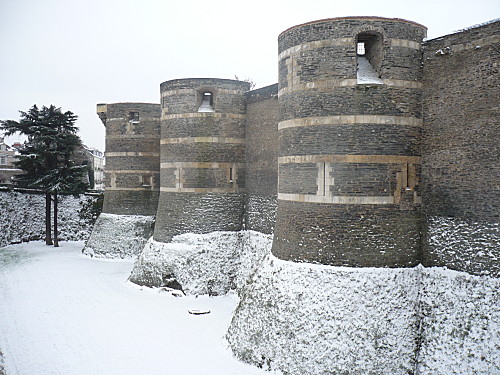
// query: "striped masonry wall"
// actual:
[[349, 153]]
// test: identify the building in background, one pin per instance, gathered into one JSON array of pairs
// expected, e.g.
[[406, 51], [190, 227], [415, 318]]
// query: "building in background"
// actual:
[[7, 159], [96, 161], [91, 157]]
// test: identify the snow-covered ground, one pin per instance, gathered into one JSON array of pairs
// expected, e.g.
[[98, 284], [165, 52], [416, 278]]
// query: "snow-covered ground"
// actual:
[[63, 313]]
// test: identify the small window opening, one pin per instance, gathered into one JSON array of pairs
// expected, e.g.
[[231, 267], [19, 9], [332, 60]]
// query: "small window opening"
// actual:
[[361, 49], [3, 160], [133, 116], [146, 180], [207, 102], [369, 55], [231, 175]]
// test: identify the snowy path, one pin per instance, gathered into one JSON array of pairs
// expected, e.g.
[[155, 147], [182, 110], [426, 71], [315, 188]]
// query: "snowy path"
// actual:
[[62, 313]]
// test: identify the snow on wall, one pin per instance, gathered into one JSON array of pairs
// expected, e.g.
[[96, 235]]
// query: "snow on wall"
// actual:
[[2, 368], [212, 263], [119, 236], [260, 213], [312, 319], [460, 323], [22, 217], [467, 245]]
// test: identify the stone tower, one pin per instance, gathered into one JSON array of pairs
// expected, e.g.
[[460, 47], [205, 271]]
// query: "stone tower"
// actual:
[[202, 162], [132, 179], [132, 176], [350, 122]]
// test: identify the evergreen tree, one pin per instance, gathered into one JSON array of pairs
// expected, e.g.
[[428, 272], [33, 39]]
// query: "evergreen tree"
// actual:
[[45, 157]]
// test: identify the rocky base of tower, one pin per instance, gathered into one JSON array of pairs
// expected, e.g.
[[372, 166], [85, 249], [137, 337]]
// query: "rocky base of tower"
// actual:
[[212, 263], [460, 323], [311, 319], [119, 236]]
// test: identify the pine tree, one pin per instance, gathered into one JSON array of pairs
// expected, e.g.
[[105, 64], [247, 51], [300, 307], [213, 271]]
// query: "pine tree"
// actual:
[[45, 157]]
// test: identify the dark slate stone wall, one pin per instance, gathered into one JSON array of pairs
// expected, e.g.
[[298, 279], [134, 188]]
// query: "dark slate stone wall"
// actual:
[[374, 100], [347, 235], [188, 98], [261, 159], [360, 142], [202, 152], [131, 202], [355, 139], [197, 213], [189, 127], [343, 28], [202, 157], [398, 62], [461, 151], [132, 172]]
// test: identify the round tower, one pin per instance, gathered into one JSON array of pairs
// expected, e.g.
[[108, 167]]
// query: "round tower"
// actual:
[[202, 150], [132, 172], [132, 179], [349, 160]]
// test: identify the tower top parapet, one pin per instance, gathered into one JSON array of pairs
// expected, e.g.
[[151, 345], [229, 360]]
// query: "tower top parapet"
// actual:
[[367, 18]]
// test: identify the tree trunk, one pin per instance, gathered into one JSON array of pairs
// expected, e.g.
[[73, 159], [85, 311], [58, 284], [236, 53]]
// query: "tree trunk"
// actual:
[[56, 241], [48, 206]]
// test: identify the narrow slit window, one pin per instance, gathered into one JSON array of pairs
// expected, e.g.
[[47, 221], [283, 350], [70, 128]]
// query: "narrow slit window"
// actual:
[[231, 175], [207, 102], [324, 178]]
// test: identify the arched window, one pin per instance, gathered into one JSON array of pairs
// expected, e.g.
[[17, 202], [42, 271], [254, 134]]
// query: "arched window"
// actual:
[[207, 102], [369, 56]]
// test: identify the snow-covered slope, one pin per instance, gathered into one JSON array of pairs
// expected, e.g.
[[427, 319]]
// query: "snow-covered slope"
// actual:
[[311, 319], [119, 236], [212, 263]]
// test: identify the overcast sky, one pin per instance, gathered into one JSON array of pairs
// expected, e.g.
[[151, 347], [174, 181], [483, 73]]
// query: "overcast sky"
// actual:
[[77, 53]]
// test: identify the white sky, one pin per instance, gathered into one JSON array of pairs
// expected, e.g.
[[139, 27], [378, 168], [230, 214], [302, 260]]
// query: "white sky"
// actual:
[[77, 53]]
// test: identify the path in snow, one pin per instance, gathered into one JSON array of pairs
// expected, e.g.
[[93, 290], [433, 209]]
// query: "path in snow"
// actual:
[[62, 313]]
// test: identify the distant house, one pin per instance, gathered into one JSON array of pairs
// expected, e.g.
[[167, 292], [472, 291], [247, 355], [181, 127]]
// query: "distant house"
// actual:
[[82, 156], [7, 167], [96, 160]]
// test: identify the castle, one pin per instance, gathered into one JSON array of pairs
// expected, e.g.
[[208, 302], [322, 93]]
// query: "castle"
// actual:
[[374, 150]]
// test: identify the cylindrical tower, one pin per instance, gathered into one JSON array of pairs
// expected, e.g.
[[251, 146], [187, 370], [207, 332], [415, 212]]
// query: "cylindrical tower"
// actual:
[[132, 179], [350, 123], [132, 172], [202, 150]]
